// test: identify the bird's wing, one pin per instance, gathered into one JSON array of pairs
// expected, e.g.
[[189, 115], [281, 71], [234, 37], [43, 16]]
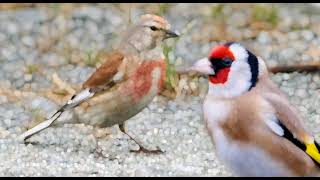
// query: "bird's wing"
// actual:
[[105, 77], [110, 72], [288, 124], [107, 71]]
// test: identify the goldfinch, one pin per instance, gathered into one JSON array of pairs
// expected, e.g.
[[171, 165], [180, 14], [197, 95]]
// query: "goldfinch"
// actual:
[[255, 130]]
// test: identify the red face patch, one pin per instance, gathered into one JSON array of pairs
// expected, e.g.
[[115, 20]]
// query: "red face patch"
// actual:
[[218, 53], [221, 77]]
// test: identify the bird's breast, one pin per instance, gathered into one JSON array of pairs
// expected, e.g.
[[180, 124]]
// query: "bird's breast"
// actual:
[[235, 139], [215, 111], [148, 79], [114, 107]]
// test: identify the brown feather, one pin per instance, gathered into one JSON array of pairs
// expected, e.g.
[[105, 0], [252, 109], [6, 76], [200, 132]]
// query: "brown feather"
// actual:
[[106, 71], [246, 125], [286, 113]]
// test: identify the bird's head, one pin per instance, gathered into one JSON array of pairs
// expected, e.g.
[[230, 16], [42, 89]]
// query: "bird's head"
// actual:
[[230, 68], [150, 31]]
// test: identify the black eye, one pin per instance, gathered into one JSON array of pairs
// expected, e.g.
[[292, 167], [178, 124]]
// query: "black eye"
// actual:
[[153, 28], [227, 62]]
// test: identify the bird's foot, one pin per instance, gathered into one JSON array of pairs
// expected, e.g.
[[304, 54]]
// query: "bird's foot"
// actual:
[[141, 148], [144, 150], [32, 143], [99, 153]]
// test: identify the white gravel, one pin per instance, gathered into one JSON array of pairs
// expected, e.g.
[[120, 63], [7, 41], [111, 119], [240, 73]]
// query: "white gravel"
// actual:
[[175, 126], [80, 150]]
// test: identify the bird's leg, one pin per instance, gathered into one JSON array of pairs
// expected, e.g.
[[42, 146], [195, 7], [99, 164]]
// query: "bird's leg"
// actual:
[[98, 152], [141, 148]]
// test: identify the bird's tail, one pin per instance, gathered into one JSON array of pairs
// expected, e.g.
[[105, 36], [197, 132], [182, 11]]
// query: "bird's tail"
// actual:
[[43, 125], [73, 102]]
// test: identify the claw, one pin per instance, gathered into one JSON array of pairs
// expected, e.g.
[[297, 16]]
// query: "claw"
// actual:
[[144, 150]]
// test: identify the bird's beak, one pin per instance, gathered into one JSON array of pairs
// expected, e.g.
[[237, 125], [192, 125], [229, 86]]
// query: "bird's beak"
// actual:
[[171, 34], [202, 66]]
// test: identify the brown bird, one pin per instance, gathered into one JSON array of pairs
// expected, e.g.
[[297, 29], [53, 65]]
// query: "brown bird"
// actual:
[[255, 130], [131, 76]]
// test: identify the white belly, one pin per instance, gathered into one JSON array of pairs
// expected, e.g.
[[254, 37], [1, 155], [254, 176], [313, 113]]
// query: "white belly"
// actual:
[[245, 159], [240, 159]]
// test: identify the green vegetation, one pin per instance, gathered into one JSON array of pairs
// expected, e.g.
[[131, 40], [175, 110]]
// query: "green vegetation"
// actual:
[[91, 59], [217, 11], [172, 78], [37, 117], [266, 13], [32, 68], [163, 8], [54, 5], [171, 74]]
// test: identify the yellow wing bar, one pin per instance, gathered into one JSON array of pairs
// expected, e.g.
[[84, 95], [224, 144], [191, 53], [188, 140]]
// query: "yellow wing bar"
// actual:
[[313, 152]]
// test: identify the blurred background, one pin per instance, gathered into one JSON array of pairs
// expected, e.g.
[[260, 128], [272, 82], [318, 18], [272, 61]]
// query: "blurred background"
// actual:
[[48, 50]]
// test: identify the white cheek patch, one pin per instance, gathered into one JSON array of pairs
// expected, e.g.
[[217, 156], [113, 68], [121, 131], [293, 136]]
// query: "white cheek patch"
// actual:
[[239, 81], [239, 52], [240, 75]]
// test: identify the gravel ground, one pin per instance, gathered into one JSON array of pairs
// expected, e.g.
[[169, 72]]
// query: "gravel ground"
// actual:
[[35, 43]]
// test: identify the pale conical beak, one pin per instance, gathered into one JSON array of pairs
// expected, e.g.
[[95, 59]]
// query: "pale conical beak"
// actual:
[[171, 34], [202, 66]]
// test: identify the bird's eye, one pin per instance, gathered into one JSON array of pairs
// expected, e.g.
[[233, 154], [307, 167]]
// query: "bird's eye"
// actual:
[[153, 28], [227, 61]]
